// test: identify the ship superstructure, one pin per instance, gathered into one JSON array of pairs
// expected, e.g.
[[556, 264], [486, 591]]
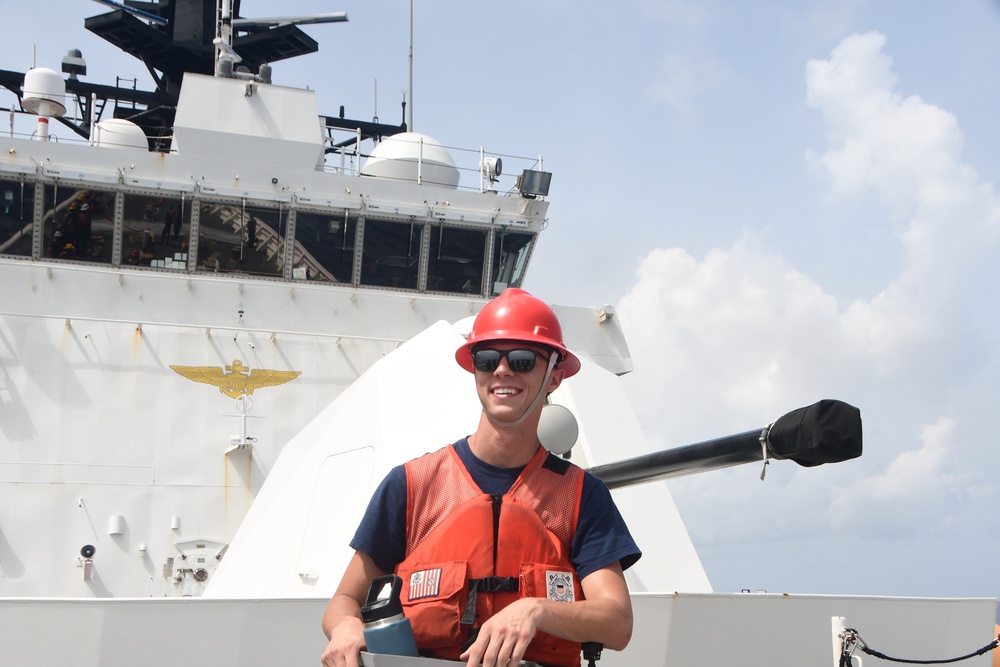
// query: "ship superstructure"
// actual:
[[223, 225]]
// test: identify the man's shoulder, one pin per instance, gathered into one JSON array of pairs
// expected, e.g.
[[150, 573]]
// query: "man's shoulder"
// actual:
[[559, 465], [429, 457], [430, 467]]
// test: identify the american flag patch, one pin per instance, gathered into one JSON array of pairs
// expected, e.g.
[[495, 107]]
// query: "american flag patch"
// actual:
[[425, 584]]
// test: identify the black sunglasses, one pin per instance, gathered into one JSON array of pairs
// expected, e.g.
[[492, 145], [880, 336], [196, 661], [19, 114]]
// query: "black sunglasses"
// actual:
[[519, 361]]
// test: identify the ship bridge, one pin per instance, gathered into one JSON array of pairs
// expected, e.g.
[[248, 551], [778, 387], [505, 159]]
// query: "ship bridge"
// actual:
[[369, 240]]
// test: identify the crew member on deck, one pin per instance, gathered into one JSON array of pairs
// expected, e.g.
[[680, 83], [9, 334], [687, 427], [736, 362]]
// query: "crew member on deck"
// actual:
[[505, 550], [169, 223], [82, 228]]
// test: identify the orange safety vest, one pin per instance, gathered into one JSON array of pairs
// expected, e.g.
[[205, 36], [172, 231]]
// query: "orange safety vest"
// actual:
[[469, 554]]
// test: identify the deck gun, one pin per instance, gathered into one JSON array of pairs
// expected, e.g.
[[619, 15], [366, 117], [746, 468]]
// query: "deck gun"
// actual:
[[828, 431]]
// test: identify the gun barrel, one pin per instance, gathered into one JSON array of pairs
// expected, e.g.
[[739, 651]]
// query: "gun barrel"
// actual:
[[701, 457], [828, 431]]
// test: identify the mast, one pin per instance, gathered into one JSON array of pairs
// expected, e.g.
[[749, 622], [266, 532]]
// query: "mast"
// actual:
[[409, 108], [224, 33]]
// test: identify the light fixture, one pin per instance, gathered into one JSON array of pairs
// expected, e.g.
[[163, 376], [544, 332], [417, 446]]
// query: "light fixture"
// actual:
[[86, 561], [533, 183], [491, 167], [116, 525]]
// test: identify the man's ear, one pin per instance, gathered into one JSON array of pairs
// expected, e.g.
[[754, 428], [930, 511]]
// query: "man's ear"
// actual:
[[558, 375]]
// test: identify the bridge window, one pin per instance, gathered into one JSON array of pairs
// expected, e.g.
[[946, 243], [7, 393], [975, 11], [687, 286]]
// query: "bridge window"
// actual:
[[17, 214], [240, 237], [324, 246], [156, 231], [511, 251], [456, 260], [78, 223], [391, 256]]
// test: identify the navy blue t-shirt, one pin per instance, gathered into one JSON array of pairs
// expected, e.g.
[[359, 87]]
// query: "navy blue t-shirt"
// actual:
[[601, 536]]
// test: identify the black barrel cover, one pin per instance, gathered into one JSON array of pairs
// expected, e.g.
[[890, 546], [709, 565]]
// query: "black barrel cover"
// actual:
[[825, 432]]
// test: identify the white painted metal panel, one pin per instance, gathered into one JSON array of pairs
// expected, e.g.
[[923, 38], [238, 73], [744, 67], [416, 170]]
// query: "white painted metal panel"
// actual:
[[677, 630]]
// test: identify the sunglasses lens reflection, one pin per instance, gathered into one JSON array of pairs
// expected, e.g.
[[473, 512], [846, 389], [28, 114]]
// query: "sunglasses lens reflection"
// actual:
[[519, 361]]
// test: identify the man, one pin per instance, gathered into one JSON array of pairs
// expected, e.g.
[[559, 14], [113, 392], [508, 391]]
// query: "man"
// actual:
[[505, 550]]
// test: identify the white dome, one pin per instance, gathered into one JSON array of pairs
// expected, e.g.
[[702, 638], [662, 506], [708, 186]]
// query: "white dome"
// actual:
[[399, 157], [120, 133], [44, 92]]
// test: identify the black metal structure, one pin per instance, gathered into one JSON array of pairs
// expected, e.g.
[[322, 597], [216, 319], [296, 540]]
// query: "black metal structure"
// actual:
[[182, 43]]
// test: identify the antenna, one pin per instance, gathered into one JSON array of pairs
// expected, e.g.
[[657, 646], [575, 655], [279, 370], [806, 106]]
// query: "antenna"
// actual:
[[224, 60], [409, 110]]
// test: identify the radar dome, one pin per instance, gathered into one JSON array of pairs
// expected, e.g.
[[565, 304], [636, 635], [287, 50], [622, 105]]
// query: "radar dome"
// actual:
[[119, 133], [402, 156], [44, 92]]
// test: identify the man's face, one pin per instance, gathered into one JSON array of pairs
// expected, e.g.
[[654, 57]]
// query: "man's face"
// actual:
[[507, 393]]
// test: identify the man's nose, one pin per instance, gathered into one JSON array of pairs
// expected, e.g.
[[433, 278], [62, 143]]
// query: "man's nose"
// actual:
[[502, 368]]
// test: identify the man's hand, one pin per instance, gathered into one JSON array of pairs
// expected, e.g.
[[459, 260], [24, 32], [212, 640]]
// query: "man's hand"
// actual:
[[346, 642], [342, 619], [504, 638], [604, 616]]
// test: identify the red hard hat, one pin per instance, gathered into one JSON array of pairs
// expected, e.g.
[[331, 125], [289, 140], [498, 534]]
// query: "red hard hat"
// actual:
[[516, 316]]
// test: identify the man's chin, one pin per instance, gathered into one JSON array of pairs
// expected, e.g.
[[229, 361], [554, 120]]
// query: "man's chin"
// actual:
[[506, 417]]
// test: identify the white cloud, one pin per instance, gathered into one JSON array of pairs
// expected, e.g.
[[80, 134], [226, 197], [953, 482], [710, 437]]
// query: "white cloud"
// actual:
[[737, 337], [741, 336], [908, 151], [907, 498]]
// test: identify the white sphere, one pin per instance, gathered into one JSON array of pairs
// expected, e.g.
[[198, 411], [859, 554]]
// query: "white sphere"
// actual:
[[120, 133], [401, 156]]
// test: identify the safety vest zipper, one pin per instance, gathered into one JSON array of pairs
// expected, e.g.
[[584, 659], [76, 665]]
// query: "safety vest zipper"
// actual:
[[497, 502]]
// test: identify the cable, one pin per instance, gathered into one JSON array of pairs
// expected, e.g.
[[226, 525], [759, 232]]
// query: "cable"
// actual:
[[872, 652]]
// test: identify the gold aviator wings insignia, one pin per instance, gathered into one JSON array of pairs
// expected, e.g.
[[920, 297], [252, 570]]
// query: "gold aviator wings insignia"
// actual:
[[236, 380]]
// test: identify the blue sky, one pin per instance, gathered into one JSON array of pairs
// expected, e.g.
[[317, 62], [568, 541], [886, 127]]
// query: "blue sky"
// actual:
[[785, 201]]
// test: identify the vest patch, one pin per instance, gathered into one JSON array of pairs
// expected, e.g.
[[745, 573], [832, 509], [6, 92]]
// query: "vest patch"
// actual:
[[425, 584], [559, 586]]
